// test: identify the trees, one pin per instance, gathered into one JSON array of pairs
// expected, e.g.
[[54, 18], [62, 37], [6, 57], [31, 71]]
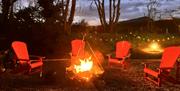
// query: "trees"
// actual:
[[114, 13], [7, 10], [68, 20], [59, 10], [152, 10]]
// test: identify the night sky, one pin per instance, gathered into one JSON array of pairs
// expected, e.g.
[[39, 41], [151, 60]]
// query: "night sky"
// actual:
[[130, 9]]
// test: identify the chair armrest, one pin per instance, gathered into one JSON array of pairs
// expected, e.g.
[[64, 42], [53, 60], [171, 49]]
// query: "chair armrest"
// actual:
[[70, 53], [159, 70], [110, 54], [128, 55], [24, 59], [146, 65], [35, 56], [178, 59]]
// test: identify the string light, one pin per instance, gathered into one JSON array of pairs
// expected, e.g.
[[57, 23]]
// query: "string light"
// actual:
[[135, 37], [100, 39], [158, 40], [111, 39], [138, 37], [143, 39], [163, 40]]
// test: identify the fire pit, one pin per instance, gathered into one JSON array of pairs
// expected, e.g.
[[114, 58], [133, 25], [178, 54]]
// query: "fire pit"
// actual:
[[153, 48], [85, 68]]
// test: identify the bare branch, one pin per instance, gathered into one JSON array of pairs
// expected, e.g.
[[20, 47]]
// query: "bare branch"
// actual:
[[114, 13], [118, 11], [73, 7]]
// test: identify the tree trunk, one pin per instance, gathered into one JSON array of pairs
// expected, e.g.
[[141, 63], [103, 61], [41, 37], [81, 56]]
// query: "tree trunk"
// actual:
[[68, 20], [71, 17], [6, 12], [114, 13]]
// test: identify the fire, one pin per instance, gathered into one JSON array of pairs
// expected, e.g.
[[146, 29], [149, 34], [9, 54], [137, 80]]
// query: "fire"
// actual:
[[154, 48], [85, 65], [84, 68]]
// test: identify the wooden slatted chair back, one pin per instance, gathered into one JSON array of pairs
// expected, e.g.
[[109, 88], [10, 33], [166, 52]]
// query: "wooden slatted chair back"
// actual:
[[20, 49], [169, 57], [122, 49], [77, 47]]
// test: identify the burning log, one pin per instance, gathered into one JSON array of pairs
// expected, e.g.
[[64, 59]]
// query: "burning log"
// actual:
[[85, 68]]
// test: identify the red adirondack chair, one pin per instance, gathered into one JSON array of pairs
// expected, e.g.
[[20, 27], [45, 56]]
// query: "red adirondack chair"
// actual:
[[77, 49], [168, 61], [23, 61], [121, 54]]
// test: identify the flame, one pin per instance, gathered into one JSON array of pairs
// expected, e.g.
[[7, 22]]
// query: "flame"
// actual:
[[83, 70], [154, 48], [85, 65]]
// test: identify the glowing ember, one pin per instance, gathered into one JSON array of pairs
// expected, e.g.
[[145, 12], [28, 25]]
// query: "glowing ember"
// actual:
[[84, 68], [85, 65]]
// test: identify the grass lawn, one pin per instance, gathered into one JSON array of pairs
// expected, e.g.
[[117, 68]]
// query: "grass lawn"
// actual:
[[130, 79]]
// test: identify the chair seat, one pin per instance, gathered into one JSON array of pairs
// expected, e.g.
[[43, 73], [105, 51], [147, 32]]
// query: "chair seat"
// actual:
[[151, 72], [36, 64]]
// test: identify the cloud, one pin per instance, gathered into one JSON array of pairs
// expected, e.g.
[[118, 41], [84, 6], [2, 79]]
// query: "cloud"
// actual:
[[86, 11], [89, 20], [129, 9]]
